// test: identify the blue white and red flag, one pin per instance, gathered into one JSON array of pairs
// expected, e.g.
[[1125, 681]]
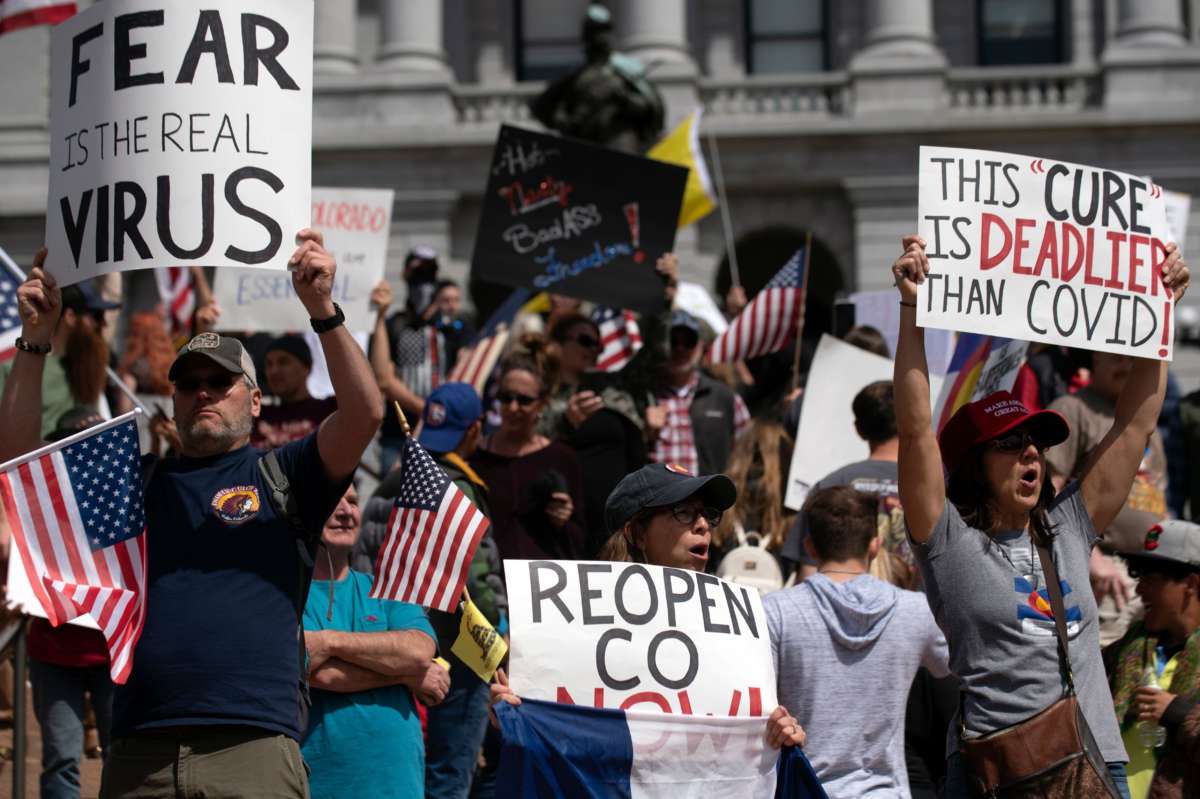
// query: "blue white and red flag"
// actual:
[[78, 522], [769, 321], [620, 337], [432, 535], [551, 749]]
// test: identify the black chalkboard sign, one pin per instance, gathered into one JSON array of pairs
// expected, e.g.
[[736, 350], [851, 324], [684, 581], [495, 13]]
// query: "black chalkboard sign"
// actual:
[[572, 218]]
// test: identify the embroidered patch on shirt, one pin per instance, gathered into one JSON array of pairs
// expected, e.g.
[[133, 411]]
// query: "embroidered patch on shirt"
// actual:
[[236, 505]]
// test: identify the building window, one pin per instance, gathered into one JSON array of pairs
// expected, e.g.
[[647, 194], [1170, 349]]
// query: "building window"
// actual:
[[548, 37], [786, 36], [1020, 32]]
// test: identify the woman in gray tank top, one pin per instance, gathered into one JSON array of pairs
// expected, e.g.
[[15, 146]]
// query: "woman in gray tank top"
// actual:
[[975, 534]]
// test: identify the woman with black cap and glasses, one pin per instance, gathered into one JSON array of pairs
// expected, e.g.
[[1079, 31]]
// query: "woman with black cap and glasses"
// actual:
[[663, 516], [987, 539]]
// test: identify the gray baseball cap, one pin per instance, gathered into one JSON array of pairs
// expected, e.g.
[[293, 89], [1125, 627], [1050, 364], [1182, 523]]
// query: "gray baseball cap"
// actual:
[[1171, 540], [224, 351]]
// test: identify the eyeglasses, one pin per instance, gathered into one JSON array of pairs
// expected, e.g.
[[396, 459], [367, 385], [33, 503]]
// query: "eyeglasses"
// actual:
[[684, 341], [524, 400], [218, 383], [1016, 442], [686, 514], [587, 342]]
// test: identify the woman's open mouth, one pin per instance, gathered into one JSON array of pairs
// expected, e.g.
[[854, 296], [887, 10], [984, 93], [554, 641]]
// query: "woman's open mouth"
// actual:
[[1029, 479], [699, 553]]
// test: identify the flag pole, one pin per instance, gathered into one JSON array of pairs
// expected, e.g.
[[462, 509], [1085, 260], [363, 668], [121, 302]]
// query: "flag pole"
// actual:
[[403, 421], [723, 201], [69, 440], [800, 317]]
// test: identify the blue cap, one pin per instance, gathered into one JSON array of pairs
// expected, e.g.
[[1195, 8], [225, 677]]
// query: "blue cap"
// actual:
[[449, 412]]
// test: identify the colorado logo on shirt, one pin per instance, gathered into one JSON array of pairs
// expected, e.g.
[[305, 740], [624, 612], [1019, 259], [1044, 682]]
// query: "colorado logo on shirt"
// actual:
[[1036, 615], [236, 505]]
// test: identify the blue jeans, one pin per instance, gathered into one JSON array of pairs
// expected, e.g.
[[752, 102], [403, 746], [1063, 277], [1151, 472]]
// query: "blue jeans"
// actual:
[[58, 704], [454, 735], [956, 778]]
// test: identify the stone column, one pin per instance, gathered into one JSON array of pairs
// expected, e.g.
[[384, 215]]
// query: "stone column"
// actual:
[[900, 65], [1083, 47], [1150, 50], [654, 31], [333, 37], [412, 37], [1150, 23]]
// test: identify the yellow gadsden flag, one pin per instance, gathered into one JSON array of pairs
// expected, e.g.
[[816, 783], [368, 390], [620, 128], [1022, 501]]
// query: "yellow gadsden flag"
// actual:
[[682, 147], [478, 645]]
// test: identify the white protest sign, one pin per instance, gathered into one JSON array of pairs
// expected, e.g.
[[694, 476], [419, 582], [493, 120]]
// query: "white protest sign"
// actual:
[[881, 310], [632, 636], [1043, 250], [1179, 206], [356, 224], [695, 299], [180, 133], [825, 438]]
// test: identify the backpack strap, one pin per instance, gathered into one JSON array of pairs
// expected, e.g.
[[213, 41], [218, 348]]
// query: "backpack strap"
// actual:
[[287, 506]]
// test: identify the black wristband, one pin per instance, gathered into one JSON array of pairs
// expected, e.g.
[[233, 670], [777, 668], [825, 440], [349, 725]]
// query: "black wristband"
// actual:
[[325, 325], [25, 345], [908, 304]]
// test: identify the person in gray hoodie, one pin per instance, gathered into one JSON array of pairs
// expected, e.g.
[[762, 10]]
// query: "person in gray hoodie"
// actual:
[[846, 648]]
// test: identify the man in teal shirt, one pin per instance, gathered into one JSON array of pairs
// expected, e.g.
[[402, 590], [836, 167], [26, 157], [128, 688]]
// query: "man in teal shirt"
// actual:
[[366, 659]]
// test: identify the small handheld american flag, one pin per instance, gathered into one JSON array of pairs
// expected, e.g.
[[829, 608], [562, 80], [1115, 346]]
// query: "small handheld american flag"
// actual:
[[77, 520], [431, 538], [771, 319], [10, 318], [620, 338]]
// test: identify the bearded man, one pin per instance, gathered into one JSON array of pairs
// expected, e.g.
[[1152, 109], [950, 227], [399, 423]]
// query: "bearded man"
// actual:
[[214, 702]]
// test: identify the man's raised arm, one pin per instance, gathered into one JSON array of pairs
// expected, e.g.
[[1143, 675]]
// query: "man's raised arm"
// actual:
[[39, 302], [347, 431]]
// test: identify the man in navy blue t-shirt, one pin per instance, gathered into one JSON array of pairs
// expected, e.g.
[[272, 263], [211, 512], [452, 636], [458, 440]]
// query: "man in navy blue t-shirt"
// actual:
[[212, 705]]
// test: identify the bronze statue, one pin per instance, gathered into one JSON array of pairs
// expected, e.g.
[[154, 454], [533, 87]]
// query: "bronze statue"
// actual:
[[608, 100]]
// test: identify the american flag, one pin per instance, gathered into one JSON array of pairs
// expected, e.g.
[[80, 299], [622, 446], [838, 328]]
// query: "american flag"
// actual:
[[15, 14], [620, 338], [178, 298], [475, 363], [10, 319], [431, 538], [477, 360], [77, 519], [770, 321]]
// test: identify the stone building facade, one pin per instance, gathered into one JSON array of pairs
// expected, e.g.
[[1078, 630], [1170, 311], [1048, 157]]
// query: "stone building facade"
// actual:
[[817, 108]]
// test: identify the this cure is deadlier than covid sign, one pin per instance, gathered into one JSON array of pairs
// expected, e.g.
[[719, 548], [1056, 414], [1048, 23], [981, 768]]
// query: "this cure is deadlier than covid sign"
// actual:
[[638, 637], [1044, 250], [181, 133]]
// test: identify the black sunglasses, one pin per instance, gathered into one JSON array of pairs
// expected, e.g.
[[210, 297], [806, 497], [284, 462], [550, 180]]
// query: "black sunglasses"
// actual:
[[686, 514], [587, 342], [524, 400], [217, 383], [1016, 442]]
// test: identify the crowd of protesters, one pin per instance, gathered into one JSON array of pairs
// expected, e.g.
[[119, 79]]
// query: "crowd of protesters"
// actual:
[[906, 601]]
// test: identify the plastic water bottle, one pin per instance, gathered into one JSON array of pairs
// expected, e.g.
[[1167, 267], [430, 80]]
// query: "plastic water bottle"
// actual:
[[1150, 734]]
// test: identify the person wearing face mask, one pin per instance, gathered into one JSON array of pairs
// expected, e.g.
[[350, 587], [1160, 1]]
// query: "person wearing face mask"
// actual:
[[408, 350]]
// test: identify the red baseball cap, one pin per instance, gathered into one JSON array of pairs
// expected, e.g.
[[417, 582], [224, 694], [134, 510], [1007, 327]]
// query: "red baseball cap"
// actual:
[[991, 417]]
